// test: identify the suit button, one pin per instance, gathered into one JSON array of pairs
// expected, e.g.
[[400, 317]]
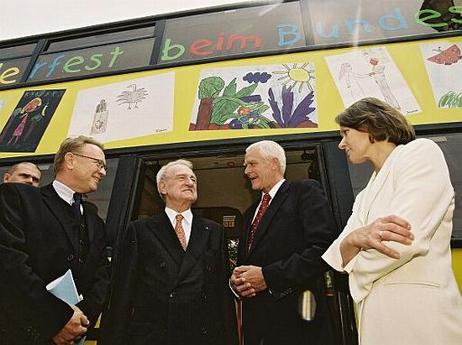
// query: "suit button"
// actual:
[[209, 268], [204, 331], [70, 257], [162, 265], [81, 261], [204, 296], [172, 294]]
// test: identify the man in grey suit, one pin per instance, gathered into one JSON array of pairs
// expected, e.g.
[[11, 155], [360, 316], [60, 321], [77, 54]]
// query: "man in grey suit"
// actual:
[[171, 274]]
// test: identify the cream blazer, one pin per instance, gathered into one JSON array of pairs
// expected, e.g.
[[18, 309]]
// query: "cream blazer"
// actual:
[[415, 299]]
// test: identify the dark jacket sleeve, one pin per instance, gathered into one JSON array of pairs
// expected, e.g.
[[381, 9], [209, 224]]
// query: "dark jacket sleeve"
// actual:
[[20, 286], [116, 317], [319, 231]]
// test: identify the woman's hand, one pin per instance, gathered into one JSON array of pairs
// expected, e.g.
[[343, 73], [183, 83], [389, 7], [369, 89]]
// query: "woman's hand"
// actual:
[[390, 228]]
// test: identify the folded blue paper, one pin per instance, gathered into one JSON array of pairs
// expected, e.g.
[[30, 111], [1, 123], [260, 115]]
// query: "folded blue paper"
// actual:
[[64, 288]]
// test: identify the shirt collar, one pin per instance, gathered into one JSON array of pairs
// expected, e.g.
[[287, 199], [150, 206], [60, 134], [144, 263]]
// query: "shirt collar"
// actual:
[[64, 192], [187, 215], [275, 189]]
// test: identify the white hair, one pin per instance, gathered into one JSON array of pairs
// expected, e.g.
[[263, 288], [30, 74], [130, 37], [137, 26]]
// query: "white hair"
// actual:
[[163, 172], [270, 149]]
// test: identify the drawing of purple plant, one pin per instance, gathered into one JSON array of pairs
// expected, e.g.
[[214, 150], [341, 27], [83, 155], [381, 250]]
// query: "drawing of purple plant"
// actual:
[[284, 115]]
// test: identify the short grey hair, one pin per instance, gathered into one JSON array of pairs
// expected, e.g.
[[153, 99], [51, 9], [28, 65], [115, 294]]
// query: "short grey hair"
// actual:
[[163, 172], [270, 149]]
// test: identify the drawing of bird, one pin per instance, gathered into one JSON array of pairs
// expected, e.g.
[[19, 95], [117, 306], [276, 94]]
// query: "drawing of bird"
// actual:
[[134, 96]]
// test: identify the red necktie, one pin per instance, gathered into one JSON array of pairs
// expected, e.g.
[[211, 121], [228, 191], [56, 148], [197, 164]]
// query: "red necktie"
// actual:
[[261, 211], [180, 231]]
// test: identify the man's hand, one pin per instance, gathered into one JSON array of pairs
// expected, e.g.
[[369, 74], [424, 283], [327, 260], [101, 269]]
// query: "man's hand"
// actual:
[[248, 280], [74, 328]]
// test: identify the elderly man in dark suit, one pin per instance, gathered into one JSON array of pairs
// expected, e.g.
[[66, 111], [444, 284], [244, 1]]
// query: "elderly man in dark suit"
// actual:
[[279, 256], [171, 274], [43, 233]]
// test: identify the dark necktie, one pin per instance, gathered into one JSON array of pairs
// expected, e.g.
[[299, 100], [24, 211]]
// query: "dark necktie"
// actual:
[[261, 211], [76, 206]]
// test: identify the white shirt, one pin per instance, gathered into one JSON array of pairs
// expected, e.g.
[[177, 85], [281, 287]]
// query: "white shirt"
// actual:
[[272, 194], [65, 193], [187, 220]]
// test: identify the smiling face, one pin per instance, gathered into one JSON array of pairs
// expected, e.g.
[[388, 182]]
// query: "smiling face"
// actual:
[[179, 187], [263, 173], [86, 172], [356, 145]]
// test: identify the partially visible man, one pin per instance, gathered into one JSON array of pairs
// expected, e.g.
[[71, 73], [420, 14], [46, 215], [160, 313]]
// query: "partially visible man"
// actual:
[[43, 233], [279, 256], [24, 172], [170, 285]]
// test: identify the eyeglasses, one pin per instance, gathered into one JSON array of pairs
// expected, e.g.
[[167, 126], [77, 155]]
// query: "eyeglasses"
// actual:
[[101, 164]]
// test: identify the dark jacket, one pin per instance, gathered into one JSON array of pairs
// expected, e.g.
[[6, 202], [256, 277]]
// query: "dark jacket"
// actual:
[[163, 295], [296, 229], [39, 243]]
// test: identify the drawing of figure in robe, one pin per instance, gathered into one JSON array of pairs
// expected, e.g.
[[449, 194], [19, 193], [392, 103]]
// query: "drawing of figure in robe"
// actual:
[[27, 121], [378, 73], [351, 81]]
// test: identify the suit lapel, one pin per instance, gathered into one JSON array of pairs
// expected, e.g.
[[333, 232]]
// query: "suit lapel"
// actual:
[[376, 184], [59, 209], [262, 229], [165, 233], [196, 246]]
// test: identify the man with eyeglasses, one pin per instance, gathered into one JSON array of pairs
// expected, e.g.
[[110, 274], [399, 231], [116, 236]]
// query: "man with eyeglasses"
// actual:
[[24, 172], [43, 233]]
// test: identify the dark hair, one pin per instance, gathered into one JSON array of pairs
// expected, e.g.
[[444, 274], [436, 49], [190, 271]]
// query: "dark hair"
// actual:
[[379, 119]]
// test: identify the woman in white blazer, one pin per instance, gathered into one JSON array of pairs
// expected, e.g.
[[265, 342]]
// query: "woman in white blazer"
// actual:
[[396, 244]]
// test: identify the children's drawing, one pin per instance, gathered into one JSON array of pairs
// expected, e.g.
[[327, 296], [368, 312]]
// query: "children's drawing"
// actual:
[[29, 120], [251, 97], [371, 72], [125, 110], [443, 62], [134, 96], [448, 56]]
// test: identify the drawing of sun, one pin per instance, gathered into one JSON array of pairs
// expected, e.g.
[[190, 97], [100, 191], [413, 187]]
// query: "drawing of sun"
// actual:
[[297, 75]]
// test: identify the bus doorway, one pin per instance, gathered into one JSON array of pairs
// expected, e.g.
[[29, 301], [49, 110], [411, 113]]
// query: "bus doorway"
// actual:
[[224, 193]]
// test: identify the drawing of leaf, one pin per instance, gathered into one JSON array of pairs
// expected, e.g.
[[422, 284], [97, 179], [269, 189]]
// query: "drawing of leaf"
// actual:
[[246, 91], [274, 106], [230, 89], [220, 119], [302, 111], [287, 104], [223, 106]]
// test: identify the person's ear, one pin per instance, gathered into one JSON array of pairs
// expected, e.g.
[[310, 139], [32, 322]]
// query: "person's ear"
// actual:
[[6, 177]]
